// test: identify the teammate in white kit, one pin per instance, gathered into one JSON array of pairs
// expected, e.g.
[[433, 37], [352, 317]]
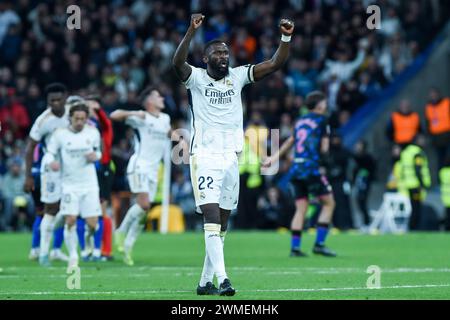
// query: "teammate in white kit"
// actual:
[[152, 129], [217, 138], [73, 151], [54, 117]]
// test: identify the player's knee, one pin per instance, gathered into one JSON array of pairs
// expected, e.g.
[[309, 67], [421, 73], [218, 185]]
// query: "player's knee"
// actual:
[[92, 223], [329, 202], [52, 208], [145, 206], [143, 201], [211, 213], [71, 220]]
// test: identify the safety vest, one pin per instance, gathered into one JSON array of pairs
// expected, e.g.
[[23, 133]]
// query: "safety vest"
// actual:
[[395, 182], [444, 179], [439, 116], [249, 163], [405, 126], [408, 167]]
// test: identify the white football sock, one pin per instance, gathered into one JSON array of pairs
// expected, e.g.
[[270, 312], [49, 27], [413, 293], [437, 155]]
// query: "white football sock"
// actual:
[[71, 240], [46, 234], [207, 272], [59, 220], [133, 232], [214, 249], [222, 237], [96, 253], [134, 211], [89, 236]]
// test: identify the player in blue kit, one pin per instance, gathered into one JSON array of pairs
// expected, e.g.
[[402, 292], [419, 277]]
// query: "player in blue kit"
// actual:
[[311, 143]]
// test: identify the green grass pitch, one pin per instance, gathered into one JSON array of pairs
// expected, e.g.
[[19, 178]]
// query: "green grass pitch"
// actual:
[[413, 266]]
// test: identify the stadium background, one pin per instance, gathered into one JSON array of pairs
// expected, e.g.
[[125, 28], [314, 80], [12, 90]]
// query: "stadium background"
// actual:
[[124, 46]]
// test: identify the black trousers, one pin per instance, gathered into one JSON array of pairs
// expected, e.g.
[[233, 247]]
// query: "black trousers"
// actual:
[[342, 216], [416, 206], [362, 196], [447, 219]]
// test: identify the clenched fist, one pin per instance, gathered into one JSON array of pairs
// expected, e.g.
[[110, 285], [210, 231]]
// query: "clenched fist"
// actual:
[[286, 27], [196, 20]]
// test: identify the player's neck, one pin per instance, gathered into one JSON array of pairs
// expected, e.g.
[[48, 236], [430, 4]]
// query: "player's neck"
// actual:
[[154, 112], [73, 129], [212, 74], [59, 114]]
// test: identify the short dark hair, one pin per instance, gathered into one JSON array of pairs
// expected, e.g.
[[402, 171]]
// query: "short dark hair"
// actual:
[[55, 88], [313, 99], [211, 43], [80, 106], [145, 93]]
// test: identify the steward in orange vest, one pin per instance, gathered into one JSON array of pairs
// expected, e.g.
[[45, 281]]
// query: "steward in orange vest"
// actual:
[[404, 124], [437, 112]]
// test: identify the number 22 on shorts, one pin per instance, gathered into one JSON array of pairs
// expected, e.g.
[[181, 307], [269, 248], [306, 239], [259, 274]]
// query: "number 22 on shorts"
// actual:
[[201, 181]]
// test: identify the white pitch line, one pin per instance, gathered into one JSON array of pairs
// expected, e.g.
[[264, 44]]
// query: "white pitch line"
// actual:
[[190, 271], [44, 293], [350, 288]]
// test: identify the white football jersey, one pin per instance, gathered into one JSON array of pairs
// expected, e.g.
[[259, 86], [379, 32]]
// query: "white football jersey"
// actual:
[[151, 136], [216, 106], [72, 147], [46, 124]]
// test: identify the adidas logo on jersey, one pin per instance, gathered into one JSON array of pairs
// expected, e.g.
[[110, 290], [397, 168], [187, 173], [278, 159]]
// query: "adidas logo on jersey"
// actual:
[[210, 85]]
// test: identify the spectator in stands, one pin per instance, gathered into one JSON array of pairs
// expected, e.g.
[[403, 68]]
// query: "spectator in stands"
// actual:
[[8, 17], [182, 194], [14, 116], [404, 124], [343, 67], [349, 97], [437, 113], [18, 205], [301, 79], [368, 87]]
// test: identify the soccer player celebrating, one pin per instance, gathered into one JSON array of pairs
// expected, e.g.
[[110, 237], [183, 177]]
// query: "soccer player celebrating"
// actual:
[[311, 140], [152, 136], [43, 128], [73, 151], [217, 138]]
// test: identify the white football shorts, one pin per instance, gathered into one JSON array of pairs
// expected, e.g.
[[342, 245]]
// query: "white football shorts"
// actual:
[[85, 202], [50, 183], [215, 179], [142, 177]]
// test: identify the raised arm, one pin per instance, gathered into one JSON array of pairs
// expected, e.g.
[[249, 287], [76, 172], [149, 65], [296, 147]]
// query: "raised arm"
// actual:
[[280, 56], [121, 115], [182, 68]]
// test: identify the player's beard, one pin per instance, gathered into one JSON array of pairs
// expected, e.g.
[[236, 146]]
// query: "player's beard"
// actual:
[[219, 70]]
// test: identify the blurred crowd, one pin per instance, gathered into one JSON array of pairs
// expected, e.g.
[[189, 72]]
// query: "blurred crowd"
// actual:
[[125, 45]]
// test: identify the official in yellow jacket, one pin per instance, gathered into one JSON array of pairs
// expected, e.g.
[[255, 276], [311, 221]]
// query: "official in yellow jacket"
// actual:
[[415, 177], [444, 180]]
